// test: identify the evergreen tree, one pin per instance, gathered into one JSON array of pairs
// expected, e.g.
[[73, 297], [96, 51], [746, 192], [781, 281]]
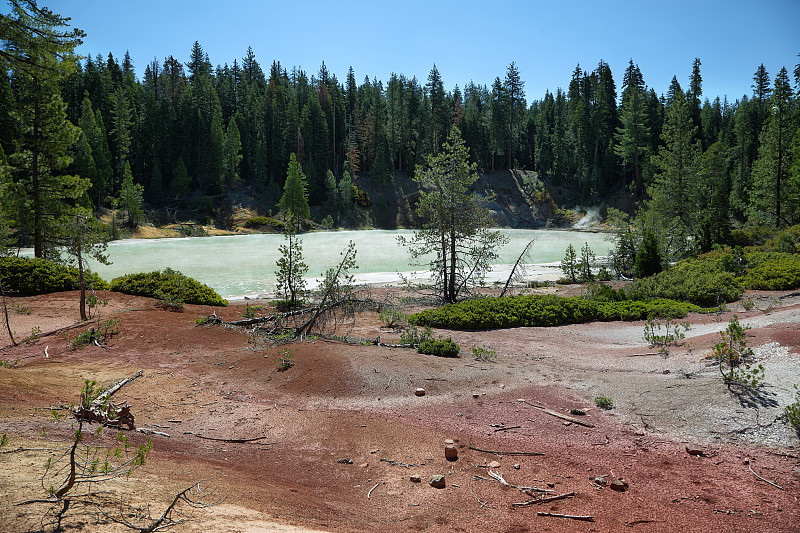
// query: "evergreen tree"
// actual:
[[294, 202], [131, 197], [775, 189], [515, 94], [569, 264], [38, 49], [232, 151], [648, 260], [456, 224], [674, 193], [633, 136], [96, 138], [294, 205]]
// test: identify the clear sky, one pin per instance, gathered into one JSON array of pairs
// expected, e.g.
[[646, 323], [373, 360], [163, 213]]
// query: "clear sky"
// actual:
[[467, 40]]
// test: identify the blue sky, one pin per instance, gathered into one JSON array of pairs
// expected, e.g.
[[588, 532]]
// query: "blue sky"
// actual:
[[468, 40]]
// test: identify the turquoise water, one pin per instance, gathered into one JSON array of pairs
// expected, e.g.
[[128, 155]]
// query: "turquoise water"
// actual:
[[244, 265]]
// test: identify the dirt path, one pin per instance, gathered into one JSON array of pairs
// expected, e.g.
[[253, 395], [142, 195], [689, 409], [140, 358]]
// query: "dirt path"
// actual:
[[357, 403]]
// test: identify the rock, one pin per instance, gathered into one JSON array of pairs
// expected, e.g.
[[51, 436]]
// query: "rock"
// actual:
[[416, 479], [692, 449], [619, 485], [599, 480], [475, 395], [345, 461], [419, 392], [579, 412], [493, 464], [363, 465], [451, 453], [796, 473], [551, 485], [515, 466], [449, 442], [437, 481]]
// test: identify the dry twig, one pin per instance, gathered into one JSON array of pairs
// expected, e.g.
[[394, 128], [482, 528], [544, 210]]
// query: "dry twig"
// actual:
[[572, 516]]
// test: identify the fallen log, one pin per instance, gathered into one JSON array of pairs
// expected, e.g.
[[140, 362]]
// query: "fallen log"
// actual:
[[557, 414]]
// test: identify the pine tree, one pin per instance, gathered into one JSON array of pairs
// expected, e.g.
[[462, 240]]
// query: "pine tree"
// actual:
[[674, 193], [232, 151], [38, 49], [633, 136], [131, 197], [456, 224], [775, 189], [514, 89], [294, 202]]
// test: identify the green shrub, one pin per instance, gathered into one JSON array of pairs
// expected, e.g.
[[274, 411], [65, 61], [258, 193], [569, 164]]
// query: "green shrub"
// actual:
[[793, 410], [29, 276], [543, 310], [259, 222], [483, 354], [392, 318], [604, 402], [699, 281], [168, 285], [772, 271], [440, 347]]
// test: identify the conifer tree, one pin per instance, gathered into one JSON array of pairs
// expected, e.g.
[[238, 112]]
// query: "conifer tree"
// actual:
[[456, 224], [774, 198], [38, 48]]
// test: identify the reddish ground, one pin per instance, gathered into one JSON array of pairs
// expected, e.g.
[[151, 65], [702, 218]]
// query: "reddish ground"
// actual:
[[341, 401]]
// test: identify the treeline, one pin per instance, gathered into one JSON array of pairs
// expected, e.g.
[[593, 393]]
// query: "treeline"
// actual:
[[185, 134]]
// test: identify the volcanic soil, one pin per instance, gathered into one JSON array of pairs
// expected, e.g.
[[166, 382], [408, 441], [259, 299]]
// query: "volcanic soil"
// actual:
[[331, 444]]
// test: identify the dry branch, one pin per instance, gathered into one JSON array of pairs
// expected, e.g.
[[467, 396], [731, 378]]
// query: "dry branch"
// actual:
[[763, 479], [544, 500], [557, 414], [572, 516], [234, 441], [496, 452]]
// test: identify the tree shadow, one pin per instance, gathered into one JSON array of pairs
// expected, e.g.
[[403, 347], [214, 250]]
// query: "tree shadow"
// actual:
[[753, 397]]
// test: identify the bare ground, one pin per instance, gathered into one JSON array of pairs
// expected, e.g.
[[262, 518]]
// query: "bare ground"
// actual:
[[341, 401]]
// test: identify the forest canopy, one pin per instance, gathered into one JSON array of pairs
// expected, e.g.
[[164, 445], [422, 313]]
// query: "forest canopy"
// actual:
[[189, 133]]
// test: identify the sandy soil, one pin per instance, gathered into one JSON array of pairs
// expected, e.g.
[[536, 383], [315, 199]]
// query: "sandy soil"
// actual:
[[341, 401]]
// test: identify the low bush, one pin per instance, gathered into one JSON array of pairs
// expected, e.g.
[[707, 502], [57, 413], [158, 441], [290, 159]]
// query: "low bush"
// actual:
[[699, 281], [169, 285], [544, 310], [29, 276], [440, 347], [260, 222], [772, 271]]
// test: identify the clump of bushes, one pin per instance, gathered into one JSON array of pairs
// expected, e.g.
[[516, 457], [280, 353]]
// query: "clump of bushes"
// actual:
[[544, 310], [699, 281], [440, 347], [258, 222], [772, 271], [168, 284], [29, 276]]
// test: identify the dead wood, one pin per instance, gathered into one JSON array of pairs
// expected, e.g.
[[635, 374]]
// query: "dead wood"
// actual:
[[233, 441], [544, 500], [763, 479], [572, 516], [557, 414], [373, 488], [497, 476], [506, 428], [642, 354], [107, 413], [511, 276], [496, 452]]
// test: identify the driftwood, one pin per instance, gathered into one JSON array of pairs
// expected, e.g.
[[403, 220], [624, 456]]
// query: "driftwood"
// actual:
[[642, 354], [557, 414], [572, 516]]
